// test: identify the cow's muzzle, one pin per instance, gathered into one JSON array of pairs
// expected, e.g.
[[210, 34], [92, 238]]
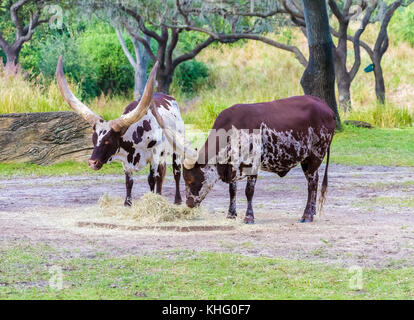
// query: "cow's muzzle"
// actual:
[[191, 203], [95, 164]]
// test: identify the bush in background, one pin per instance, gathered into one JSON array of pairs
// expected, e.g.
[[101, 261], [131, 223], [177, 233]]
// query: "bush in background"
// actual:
[[190, 76], [92, 55]]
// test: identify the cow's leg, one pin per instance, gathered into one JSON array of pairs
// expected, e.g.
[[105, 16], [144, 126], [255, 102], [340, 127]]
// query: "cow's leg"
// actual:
[[310, 168], [251, 182], [129, 182], [177, 175], [159, 177], [151, 178], [232, 214]]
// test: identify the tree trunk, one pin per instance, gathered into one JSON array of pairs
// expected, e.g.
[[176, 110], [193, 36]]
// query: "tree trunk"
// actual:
[[141, 65], [11, 60], [344, 94], [164, 80], [379, 82], [140, 79], [343, 81], [319, 76]]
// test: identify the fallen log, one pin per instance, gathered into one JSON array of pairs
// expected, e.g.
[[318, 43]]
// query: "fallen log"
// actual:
[[44, 137]]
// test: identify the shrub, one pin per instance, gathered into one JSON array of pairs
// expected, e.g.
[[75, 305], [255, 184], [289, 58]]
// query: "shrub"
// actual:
[[93, 58], [114, 73], [190, 75], [383, 116]]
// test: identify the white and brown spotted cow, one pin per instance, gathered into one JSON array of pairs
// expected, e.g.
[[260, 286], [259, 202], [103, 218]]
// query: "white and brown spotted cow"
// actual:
[[276, 136], [135, 139]]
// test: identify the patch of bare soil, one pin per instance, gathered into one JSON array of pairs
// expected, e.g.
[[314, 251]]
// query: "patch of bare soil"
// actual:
[[368, 218]]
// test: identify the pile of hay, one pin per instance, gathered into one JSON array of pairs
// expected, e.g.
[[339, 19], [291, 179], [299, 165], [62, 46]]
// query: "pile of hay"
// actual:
[[151, 208]]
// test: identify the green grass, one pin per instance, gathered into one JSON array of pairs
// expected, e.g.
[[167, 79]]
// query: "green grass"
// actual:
[[399, 202], [58, 169], [25, 274], [385, 147]]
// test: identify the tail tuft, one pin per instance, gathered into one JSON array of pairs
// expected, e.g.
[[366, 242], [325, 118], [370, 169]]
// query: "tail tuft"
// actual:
[[324, 188]]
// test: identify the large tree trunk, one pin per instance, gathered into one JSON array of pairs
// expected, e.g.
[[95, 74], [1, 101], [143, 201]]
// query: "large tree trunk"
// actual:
[[12, 55], [319, 76], [44, 137], [164, 80], [379, 82]]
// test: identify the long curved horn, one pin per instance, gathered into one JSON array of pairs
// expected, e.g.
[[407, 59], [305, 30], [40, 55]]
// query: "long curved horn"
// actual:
[[74, 103], [177, 140], [122, 124]]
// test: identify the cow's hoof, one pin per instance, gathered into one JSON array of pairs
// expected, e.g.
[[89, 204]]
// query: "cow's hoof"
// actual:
[[128, 203], [178, 202], [305, 219], [249, 220], [231, 216]]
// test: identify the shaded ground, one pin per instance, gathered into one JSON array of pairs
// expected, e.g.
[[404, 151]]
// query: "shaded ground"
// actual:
[[368, 218]]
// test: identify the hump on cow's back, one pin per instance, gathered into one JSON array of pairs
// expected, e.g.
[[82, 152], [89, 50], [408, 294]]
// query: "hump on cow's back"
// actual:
[[160, 99], [131, 106]]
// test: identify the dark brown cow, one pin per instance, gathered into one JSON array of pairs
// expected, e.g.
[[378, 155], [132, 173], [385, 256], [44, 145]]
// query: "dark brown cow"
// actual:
[[277, 136], [135, 139]]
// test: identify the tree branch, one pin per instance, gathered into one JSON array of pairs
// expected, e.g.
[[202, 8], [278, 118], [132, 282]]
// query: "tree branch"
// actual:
[[336, 11], [238, 36], [294, 13], [190, 55], [141, 23], [144, 42], [14, 16], [128, 54], [356, 41], [363, 44], [175, 33]]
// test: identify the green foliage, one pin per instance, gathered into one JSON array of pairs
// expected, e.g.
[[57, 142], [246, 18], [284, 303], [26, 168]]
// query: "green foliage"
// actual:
[[190, 75], [114, 73], [93, 57], [77, 64], [402, 26]]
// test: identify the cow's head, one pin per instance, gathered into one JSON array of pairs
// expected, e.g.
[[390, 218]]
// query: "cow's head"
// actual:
[[199, 178], [107, 135]]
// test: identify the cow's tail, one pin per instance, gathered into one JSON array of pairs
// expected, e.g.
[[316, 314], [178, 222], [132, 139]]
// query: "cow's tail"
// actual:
[[324, 188]]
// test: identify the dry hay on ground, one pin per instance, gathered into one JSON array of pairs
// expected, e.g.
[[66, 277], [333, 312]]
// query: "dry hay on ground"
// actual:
[[150, 209]]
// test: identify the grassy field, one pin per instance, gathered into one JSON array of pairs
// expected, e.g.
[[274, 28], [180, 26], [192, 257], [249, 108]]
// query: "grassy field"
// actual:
[[352, 146], [385, 147], [26, 272]]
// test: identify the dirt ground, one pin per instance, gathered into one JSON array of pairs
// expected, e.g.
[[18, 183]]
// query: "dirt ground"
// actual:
[[368, 218]]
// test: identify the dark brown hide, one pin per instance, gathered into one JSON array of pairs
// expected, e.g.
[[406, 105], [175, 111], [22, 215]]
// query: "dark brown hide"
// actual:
[[160, 100], [301, 119]]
